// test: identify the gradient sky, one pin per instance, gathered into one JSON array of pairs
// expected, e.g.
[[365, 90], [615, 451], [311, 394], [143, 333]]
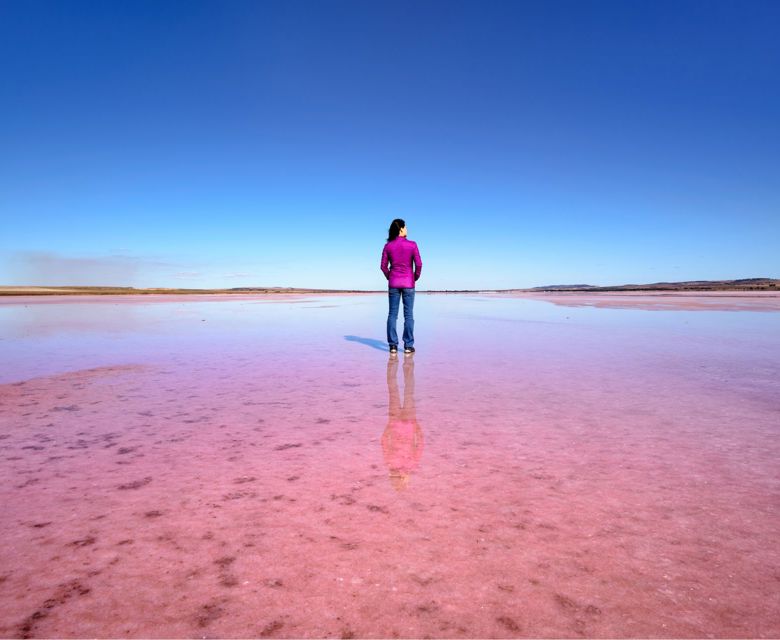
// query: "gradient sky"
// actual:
[[227, 144]]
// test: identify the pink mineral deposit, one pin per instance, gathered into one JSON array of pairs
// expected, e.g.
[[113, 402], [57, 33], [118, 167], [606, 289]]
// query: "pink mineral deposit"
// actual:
[[259, 466]]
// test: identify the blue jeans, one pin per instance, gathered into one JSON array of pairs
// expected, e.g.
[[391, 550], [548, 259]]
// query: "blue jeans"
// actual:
[[394, 295]]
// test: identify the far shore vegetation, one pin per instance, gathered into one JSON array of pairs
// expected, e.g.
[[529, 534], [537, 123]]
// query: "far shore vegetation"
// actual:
[[745, 284]]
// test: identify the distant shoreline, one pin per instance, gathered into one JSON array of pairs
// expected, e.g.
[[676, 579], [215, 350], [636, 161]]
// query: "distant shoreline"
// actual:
[[744, 285]]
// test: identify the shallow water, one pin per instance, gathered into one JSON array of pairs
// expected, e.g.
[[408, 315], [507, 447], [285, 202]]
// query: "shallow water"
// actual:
[[259, 466]]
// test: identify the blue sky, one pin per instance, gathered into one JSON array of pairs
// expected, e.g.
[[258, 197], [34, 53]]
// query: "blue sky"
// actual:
[[227, 144]]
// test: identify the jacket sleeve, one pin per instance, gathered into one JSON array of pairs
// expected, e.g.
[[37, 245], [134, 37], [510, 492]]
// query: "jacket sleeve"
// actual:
[[417, 263], [383, 265]]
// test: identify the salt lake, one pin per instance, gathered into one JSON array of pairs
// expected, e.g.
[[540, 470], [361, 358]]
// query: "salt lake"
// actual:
[[260, 466]]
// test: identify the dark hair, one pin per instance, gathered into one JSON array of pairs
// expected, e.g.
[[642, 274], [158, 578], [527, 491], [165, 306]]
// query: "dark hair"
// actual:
[[395, 228]]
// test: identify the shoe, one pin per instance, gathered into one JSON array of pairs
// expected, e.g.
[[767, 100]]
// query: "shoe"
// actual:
[[393, 348], [408, 349]]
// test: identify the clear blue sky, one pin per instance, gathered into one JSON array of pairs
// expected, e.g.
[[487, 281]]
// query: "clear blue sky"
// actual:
[[211, 144]]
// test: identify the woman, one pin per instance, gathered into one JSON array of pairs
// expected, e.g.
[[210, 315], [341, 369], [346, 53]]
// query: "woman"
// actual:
[[401, 253]]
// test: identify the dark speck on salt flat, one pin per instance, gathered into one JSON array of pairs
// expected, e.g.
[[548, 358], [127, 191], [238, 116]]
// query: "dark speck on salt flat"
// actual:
[[228, 580], [429, 607], [237, 495], [208, 613], [282, 447], [225, 561], [509, 623], [564, 602], [135, 484], [271, 628], [83, 542]]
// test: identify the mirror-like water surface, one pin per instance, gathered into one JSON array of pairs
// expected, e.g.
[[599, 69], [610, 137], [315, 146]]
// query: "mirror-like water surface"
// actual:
[[260, 466]]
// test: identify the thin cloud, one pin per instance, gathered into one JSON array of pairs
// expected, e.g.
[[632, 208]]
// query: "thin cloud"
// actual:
[[47, 268]]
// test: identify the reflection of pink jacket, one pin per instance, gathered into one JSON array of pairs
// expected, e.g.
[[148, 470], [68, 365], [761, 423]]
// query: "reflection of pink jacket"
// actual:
[[402, 445], [401, 253]]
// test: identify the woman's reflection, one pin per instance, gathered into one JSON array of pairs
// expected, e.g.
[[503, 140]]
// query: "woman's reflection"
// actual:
[[402, 441]]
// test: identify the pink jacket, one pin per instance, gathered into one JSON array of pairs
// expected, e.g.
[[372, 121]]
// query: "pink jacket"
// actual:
[[401, 253]]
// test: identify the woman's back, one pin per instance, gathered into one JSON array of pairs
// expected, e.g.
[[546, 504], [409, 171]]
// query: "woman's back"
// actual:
[[402, 254]]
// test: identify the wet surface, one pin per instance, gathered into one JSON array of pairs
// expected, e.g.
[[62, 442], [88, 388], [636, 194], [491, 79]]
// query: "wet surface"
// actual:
[[233, 468], [664, 300]]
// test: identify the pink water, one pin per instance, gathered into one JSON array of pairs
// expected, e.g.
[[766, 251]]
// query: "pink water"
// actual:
[[260, 467]]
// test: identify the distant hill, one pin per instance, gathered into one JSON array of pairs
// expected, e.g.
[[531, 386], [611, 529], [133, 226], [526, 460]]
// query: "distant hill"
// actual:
[[744, 284]]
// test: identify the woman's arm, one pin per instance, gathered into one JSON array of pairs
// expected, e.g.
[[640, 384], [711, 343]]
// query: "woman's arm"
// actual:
[[417, 263], [383, 264]]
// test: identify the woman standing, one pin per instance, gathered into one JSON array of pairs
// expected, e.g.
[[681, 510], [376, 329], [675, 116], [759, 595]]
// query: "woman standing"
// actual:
[[401, 253]]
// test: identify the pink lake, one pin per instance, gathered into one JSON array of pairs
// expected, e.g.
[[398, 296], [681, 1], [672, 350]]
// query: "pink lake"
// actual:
[[259, 466]]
